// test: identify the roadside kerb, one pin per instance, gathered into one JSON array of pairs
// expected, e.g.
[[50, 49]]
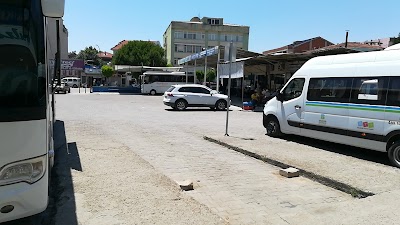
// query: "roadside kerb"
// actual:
[[353, 191]]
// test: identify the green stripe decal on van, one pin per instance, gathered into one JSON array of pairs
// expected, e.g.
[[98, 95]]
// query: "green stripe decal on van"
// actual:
[[371, 108]]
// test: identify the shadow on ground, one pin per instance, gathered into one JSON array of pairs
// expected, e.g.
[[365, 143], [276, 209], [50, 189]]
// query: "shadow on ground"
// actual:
[[359, 153], [62, 189]]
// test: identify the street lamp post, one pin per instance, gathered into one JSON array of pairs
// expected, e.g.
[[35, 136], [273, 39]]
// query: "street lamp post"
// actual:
[[205, 67]]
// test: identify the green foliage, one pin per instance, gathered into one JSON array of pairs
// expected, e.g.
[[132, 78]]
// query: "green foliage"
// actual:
[[397, 40], [72, 55], [137, 53], [169, 65], [107, 71], [211, 75], [90, 53], [200, 75]]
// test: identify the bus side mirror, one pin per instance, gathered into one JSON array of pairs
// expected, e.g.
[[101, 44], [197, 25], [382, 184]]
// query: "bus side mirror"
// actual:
[[279, 97]]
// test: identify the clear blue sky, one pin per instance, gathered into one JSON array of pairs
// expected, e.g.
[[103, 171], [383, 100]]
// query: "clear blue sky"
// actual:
[[272, 23]]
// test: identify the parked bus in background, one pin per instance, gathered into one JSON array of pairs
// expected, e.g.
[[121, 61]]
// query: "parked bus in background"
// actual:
[[352, 99], [157, 82], [26, 105]]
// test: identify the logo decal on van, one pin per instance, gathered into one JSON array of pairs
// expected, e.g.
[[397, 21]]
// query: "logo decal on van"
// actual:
[[365, 125], [322, 121]]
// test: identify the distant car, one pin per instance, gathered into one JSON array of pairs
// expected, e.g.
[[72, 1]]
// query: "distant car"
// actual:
[[180, 97], [63, 87], [72, 81]]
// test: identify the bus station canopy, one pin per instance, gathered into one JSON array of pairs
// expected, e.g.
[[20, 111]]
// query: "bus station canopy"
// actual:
[[141, 69]]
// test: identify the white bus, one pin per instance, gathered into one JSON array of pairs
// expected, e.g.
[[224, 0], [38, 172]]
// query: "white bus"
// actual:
[[26, 106], [351, 99], [157, 82]]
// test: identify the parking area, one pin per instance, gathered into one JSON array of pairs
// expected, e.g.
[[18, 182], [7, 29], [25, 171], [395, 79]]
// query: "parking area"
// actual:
[[237, 189]]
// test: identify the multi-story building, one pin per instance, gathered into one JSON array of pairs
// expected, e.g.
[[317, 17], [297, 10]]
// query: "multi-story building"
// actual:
[[185, 38]]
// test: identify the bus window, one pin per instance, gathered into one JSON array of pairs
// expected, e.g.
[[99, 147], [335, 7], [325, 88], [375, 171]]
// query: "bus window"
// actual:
[[329, 89], [393, 96], [293, 89], [369, 90]]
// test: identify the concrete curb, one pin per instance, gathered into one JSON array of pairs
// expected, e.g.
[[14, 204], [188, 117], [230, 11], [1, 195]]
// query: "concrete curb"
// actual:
[[353, 191]]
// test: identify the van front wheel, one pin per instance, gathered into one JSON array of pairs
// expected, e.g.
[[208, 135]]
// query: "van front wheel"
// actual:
[[273, 127], [394, 154]]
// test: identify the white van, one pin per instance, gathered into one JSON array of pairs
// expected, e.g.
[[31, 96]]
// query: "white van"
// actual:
[[351, 99], [72, 81]]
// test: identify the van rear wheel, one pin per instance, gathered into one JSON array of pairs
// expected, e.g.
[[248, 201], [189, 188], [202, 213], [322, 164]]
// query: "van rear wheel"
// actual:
[[273, 127], [394, 154]]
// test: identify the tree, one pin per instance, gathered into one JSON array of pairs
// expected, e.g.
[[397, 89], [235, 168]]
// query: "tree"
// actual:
[[72, 55], [137, 53], [200, 75], [211, 75], [396, 40], [90, 53], [107, 71]]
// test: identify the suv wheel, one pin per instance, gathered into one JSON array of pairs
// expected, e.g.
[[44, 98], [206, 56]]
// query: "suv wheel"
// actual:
[[221, 105], [180, 104]]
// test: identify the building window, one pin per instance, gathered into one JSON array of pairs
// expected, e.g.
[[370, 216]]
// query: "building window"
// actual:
[[213, 21], [212, 37], [176, 61], [179, 48], [178, 35]]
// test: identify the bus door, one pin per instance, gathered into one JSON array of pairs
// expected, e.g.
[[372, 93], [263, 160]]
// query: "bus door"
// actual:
[[292, 105]]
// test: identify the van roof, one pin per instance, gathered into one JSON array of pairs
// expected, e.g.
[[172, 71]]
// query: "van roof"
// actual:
[[378, 63]]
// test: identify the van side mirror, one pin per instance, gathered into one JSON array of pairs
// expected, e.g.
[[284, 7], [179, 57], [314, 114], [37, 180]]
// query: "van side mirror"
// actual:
[[279, 97]]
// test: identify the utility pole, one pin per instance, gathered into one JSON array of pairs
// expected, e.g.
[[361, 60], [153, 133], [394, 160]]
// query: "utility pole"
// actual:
[[347, 38]]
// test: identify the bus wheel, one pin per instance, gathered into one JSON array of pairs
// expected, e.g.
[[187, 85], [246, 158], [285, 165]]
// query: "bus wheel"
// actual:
[[153, 92], [273, 127], [394, 154]]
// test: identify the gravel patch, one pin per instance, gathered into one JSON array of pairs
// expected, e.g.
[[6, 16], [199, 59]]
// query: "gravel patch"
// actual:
[[112, 185]]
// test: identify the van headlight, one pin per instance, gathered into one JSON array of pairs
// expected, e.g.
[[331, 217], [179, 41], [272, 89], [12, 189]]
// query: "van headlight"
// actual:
[[28, 171]]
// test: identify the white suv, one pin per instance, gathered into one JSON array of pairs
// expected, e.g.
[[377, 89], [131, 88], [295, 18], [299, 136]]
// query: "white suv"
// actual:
[[180, 97]]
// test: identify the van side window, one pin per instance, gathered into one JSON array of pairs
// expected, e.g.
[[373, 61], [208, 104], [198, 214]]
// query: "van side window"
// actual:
[[329, 89], [369, 90], [293, 89], [393, 95]]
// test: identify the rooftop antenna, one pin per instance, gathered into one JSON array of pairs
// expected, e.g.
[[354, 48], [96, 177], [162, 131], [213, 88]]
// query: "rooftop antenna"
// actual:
[[347, 38]]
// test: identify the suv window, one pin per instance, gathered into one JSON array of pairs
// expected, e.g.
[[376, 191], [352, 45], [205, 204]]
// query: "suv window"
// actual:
[[203, 90], [293, 89], [170, 89], [187, 89]]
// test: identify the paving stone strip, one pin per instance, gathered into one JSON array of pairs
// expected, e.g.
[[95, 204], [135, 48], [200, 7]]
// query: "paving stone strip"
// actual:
[[353, 191]]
